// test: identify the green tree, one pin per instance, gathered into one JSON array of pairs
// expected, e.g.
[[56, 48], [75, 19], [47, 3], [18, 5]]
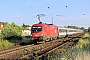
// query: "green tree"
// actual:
[[10, 30], [75, 27], [82, 28], [89, 30], [24, 26]]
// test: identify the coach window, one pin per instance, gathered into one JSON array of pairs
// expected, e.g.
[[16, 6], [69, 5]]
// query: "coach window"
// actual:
[[62, 30], [70, 30]]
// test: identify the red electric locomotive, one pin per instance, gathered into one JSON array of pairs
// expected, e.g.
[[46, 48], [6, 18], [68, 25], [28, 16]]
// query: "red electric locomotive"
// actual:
[[43, 32]]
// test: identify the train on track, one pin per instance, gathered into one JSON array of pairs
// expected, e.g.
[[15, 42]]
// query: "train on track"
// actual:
[[42, 32]]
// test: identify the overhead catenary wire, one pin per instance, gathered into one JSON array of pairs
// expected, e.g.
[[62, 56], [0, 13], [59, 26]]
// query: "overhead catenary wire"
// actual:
[[16, 6], [52, 8], [26, 10], [49, 5]]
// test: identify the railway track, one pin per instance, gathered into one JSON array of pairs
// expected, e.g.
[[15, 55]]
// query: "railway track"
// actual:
[[10, 52], [48, 50], [30, 51]]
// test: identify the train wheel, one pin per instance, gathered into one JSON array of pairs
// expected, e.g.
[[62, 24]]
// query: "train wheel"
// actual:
[[34, 41]]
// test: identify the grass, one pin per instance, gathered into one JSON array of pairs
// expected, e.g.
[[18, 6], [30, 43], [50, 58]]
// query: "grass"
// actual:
[[5, 44], [83, 55], [13, 42], [81, 51]]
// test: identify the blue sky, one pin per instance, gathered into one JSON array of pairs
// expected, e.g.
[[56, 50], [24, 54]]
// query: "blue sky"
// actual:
[[76, 13]]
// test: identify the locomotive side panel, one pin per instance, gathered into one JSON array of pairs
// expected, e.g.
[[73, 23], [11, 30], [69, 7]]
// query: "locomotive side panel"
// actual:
[[53, 31], [43, 31]]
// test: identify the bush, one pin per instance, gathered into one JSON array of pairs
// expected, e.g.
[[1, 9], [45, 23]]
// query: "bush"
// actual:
[[5, 44], [11, 30]]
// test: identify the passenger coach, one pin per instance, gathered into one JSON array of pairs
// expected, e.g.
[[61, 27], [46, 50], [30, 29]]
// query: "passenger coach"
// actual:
[[68, 32]]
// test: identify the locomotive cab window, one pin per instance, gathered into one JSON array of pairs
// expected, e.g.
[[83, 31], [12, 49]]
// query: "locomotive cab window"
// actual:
[[36, 28]]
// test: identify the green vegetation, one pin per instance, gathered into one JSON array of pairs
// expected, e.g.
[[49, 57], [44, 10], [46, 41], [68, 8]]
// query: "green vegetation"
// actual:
[[75, 27], [11, 35], [81, 51], [5, 44], [89, 30], [10, 30], [24, 26]]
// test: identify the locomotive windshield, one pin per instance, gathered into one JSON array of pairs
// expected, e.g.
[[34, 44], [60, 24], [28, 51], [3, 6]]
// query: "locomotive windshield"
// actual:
[[36, 28]]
